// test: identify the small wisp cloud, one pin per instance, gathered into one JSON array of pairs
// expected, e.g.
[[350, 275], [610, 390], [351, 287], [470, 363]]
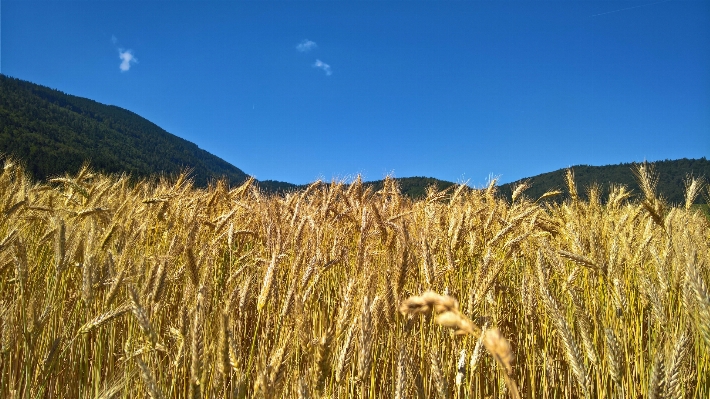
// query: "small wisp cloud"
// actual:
[[127, 58], [306, 46], [322, 65]]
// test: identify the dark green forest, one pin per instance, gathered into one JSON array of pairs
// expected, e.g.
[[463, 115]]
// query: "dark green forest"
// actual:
[[412, 187], [671, 179], [672, 176], [55, 133]]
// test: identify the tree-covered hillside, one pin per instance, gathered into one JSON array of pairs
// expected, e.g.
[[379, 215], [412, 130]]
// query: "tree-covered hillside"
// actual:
[[672, 176], [414, 187], [55, 133], [671, 179]]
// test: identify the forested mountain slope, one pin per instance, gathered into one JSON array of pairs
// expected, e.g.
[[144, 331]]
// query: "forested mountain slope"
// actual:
[[671, 179], [55, 133]]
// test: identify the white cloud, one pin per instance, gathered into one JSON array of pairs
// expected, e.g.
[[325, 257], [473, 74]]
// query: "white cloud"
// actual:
[[127, 58], [114, 40], [306, 46], [322, 65]]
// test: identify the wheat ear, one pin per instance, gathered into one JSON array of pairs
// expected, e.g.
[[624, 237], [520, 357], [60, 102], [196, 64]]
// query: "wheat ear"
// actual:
[[439, 381], [702, 301], [657, 380], [149, 381], [448, 315], [365, 355], [613, 355], [344, 355], [673, 377]]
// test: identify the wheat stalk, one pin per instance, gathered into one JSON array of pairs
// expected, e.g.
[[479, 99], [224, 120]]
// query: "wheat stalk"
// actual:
[[448, 315], [614, 356], [678, 356], [149, 380], [401, 381], [366, 333], [266, 285], [439, 380], [574, 355]]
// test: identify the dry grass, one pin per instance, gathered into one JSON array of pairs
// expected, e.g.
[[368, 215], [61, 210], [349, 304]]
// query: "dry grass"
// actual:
[[112, 289]]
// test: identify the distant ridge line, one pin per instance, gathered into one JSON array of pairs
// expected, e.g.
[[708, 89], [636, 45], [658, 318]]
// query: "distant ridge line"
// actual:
[[56, 133]]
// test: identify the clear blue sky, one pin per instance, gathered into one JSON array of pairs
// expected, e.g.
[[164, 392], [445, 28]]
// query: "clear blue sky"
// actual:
[[454, 90]]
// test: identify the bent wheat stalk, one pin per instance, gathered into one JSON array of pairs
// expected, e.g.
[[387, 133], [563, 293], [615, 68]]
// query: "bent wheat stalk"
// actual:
[[448, 315]]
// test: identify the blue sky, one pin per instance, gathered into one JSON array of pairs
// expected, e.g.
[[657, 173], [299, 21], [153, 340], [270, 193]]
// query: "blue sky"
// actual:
[[461, 91]]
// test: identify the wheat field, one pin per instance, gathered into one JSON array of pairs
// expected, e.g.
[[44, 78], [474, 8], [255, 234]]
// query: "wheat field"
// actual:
[[111, 288]]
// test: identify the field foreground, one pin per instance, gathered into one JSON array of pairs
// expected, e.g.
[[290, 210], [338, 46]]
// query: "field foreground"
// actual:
[[110, 289]]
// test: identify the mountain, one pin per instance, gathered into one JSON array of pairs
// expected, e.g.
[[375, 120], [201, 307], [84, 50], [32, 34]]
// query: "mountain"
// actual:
[[672, 175], [55, 133], [413, 187], [671, 179]]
